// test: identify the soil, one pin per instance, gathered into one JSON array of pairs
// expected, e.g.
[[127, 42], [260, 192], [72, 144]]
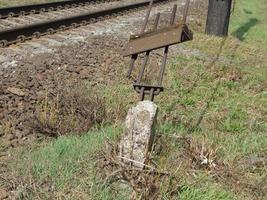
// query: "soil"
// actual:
[[30, 71]]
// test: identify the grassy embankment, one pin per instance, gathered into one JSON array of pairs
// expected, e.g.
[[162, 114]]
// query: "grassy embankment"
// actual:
[[216, 97]]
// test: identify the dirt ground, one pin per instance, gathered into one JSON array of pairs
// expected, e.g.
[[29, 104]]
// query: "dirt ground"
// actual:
[[40, 68]]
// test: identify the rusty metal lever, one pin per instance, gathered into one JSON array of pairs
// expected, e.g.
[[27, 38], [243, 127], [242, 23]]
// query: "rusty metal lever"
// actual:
[[147, 41]]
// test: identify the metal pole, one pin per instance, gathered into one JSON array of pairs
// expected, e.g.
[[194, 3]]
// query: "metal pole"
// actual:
[[147, 16], [173, 14], [186, 9], [156, 22], [166, 50], [143, 67], [134, 57], [162, 68]]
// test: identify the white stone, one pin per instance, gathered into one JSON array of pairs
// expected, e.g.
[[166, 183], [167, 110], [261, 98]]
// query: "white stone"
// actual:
[[137, 141]]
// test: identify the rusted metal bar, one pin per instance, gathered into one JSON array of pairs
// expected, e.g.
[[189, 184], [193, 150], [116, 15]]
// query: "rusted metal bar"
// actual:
[[157, 88], [156, 40], [133, 59], [156, 22], [147, 16], [151, 95], [186, 9], [166, 50], [145, 42], [173, 14], [140, 76], [162, 68], [142, 94]]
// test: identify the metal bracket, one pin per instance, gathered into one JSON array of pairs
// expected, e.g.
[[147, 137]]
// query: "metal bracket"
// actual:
[[145, 42], [150, 90], [160, 38]]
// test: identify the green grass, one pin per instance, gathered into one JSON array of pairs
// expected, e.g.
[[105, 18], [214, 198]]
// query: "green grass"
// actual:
[[64, 167], [206, 192], [216, 96], [249, 22]]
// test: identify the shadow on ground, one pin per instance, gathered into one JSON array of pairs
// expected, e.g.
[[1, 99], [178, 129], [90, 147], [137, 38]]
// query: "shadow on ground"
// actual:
[[240, 33]]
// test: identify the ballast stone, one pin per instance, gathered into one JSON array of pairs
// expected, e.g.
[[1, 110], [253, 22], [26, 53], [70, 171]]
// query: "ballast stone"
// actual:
[[137, 141]]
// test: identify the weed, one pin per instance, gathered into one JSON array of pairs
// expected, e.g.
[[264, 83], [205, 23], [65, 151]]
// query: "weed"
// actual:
[[212, 125], [75, 109], [63, 168]]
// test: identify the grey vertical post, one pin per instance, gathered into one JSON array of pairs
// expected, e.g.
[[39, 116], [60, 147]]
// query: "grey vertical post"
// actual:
[[218, 17]]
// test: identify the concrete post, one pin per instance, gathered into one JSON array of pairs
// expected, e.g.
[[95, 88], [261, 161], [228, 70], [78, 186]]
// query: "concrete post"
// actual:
[[137, 141]]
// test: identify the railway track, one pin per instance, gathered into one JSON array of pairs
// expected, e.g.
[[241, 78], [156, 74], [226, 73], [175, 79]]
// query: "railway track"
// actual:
[[16, 11], [42, 67], [23, 23]]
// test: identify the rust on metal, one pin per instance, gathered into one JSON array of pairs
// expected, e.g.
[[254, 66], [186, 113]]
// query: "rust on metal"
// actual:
[[186, 9], [147, 41], [157, 39], [151, 90], [147, 16]]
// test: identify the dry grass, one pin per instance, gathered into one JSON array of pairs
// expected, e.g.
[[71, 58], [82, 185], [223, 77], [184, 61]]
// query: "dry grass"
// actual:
[[73, 110], [145, 183], [176, 164], [199, 159], [212, 134]]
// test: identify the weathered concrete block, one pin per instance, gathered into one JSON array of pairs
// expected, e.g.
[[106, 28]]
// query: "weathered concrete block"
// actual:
[[138, 136]]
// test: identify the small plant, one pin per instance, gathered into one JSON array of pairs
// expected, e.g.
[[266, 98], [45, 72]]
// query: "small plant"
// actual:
[[202, 155]]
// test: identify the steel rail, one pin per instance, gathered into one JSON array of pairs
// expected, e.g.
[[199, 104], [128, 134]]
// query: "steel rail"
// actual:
[[20, 34], [16, 11]]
